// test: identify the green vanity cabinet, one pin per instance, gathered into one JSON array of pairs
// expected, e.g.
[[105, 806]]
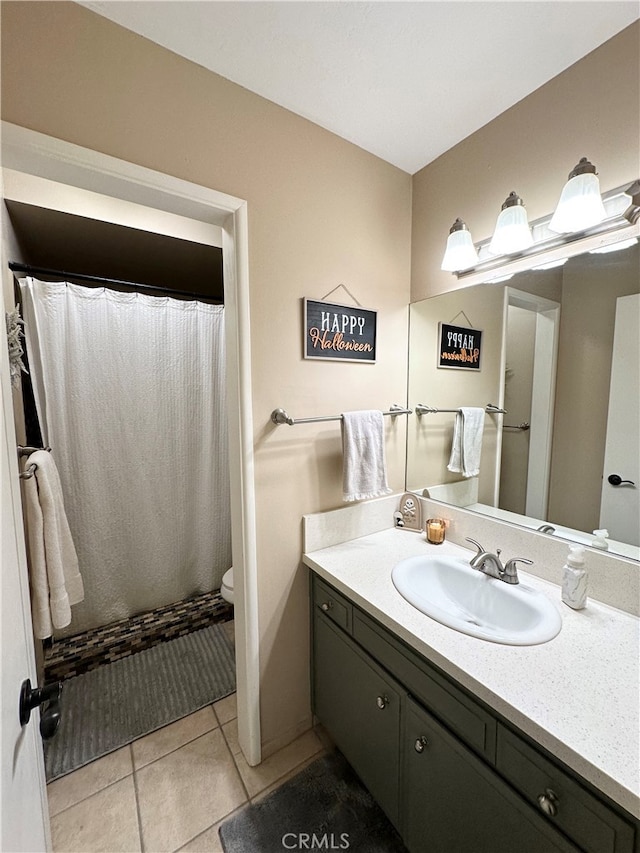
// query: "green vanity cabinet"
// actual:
[[453, 802], [452, 775], [359, 705]]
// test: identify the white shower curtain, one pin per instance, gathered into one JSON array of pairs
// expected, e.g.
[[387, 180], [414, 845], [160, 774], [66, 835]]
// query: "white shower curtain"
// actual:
[[130, 393]]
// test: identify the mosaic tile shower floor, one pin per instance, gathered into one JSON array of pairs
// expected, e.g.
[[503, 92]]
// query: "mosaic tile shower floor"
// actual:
[[70, 656]]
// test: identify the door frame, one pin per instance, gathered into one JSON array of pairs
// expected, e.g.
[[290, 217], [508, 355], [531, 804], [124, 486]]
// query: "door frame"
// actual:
[[547, 335], [35, 154]]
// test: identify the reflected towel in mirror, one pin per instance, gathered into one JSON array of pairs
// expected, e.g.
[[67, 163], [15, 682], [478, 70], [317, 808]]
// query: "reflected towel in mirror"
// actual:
[[467, 442]]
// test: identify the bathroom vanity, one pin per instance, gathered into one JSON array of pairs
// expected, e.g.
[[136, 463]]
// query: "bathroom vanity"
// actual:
[[470, 745]]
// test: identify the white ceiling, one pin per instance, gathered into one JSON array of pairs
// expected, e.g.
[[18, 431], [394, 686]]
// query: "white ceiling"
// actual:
[[403, 80]]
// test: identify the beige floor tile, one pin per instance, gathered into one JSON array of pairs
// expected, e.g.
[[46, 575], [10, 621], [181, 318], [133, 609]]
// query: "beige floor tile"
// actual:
[[278, 765], [165, 740], [106, 822], [290, 775], [82, 783], [184, 793], [226, 709], [230, 731], [208, 842]]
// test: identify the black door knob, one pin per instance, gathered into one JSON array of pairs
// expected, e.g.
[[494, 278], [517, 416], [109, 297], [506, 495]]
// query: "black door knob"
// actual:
[[32, 697], [616, 480]]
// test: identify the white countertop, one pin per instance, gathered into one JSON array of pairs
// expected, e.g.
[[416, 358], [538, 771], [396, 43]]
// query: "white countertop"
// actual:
[[577, 695]]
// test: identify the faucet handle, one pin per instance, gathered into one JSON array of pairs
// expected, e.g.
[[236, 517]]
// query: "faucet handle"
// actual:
[[511, 570], [477, 544]]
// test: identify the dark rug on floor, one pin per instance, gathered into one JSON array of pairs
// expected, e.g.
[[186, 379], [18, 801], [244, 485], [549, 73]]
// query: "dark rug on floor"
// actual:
[[113, 705], [325, 807]]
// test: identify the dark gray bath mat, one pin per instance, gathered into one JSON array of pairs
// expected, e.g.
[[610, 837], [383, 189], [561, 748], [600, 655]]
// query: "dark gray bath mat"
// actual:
[[325, 807], [109, 707]]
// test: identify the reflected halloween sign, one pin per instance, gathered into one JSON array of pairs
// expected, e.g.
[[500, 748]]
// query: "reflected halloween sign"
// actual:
[[460, 347], [339, 332]]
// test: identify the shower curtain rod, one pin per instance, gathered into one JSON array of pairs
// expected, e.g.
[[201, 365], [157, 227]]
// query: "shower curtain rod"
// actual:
[[29, 270]]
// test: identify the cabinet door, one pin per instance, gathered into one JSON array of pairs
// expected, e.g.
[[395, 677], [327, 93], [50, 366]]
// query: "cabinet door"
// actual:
[[359, 705], [453, 803]]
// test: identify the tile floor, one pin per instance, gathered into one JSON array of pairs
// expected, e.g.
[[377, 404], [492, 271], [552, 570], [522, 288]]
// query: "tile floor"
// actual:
[[170, 790]]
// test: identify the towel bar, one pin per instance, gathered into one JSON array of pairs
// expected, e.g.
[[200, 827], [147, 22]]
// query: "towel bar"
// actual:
[[279, 416], [490, 409], [31, 469]]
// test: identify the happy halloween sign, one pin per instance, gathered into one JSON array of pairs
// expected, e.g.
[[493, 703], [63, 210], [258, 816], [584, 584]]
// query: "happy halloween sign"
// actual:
[[460, 347], [339, 332]]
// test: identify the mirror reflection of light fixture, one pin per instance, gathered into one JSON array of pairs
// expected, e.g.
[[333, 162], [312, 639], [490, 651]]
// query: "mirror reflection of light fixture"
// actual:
[[512, 232], [580, 204], [460, 253]]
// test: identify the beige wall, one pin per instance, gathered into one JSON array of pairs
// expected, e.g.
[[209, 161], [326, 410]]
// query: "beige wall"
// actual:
[[321, 212], [592, 109]]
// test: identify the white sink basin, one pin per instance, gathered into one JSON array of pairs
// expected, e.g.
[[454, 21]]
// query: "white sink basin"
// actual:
[[450, 591]]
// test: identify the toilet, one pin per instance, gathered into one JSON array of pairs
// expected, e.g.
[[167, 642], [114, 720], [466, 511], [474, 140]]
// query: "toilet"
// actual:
[[226, 590]]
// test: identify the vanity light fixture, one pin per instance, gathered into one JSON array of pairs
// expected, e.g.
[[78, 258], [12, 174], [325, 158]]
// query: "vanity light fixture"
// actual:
[[545, 248], [460, 253], [552, 264], [614, 247], [580, 204], [498, 278], [512, 232]]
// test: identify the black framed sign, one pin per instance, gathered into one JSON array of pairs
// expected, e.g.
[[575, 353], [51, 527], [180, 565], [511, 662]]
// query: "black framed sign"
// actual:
[[339, 332], [459, 347]]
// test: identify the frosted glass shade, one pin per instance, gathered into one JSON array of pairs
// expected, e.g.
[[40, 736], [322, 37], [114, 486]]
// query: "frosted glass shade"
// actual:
[[460, 253], [512, 232], [580, 205]]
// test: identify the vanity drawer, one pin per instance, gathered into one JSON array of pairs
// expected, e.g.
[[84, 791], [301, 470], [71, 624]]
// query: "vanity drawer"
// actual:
[[335, 606], [581, 815], [460, 713]]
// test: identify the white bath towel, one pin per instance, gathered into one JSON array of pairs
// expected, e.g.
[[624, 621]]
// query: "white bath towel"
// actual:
[[467, 442], [56, 583], [364, 461]]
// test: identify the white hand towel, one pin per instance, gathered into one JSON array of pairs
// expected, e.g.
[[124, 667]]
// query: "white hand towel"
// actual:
[[364, 462], [467, 442], [56, 583]]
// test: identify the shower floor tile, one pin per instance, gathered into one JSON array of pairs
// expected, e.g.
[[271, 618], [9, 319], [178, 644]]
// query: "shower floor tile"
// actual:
[[70, 656]]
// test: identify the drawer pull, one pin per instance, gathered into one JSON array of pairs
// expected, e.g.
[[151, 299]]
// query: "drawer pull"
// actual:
[[382, 702], [326, 606], [420, 744], [548, 802]]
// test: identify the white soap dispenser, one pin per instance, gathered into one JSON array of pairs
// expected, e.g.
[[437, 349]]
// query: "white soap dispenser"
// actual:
[[600, 539], [574, 578]]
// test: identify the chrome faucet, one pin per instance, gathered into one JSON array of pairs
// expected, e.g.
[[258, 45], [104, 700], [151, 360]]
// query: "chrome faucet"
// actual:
[[490, 564]]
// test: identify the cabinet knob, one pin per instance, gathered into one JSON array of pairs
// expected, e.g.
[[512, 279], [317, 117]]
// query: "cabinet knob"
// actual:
[[548, 802], [326, 606], [420, 744], [382, 702]]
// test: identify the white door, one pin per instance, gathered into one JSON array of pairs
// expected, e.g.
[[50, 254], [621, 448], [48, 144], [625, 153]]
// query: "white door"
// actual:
[[24, 823], [620, 505]]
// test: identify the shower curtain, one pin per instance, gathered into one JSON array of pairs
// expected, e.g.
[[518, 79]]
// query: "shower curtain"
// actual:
[[130, 393]]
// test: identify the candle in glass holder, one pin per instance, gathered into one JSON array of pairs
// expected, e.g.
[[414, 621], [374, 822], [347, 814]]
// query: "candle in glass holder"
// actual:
[[435, 528]]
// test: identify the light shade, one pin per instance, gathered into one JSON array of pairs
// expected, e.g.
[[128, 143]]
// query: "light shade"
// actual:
[[460, 253], [580, 204], [512, 232]]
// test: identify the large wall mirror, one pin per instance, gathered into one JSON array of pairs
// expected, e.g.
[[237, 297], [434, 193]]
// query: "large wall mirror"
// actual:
[[560, 354]]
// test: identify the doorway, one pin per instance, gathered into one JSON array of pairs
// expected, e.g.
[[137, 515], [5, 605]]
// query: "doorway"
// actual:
[[531, 347], [70, 180]]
